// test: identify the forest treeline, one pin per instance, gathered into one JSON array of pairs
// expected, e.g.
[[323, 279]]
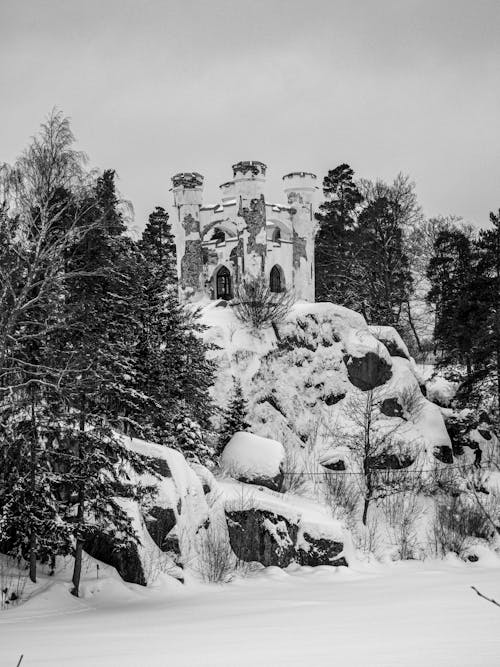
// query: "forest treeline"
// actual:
[[93, 344], [436, 280]]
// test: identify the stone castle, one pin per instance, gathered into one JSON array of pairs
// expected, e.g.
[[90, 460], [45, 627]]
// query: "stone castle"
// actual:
[[244, 235]]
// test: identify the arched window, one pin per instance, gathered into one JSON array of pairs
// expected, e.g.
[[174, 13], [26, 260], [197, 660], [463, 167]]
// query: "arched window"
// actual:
[[277, 235], [218, 236], [223, 284], [275, 281]]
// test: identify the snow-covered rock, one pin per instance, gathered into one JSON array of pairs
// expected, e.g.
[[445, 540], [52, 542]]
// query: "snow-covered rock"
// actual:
[[277, 529], [390, 338], [301, 377], [167, 523], [440, 390], [251, 458]]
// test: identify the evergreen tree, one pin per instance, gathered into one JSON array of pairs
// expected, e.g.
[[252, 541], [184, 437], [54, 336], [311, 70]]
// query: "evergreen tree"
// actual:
[[102, 397], [335, 249], [158, 245], [487, 355], [189, 440], [382, 262], [360, 256], [234, 418], [451, 274], [172, 367]]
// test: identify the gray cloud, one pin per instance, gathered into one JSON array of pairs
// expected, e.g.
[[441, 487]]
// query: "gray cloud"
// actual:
[[154, 87]]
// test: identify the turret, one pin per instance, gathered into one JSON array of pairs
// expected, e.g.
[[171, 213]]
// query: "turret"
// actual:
[[300, 189], [227, 191], [249, 181], [188, 195], [249, 178]]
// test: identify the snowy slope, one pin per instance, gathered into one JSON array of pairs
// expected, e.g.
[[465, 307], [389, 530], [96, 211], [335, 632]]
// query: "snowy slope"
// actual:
[[301, 384], [409, 614]]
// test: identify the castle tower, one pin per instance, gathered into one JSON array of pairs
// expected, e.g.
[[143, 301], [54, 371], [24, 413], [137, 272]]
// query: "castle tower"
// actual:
[[249, 182], [188, 195], [300, 189]]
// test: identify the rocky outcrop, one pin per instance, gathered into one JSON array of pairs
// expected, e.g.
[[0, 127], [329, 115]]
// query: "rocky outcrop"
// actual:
[[320, 551], [390, 461], [125, 558], [391, 407], [262, 536], [274, 483], [273, 539], [367, 372], [254, 460], [159, 522], [469, 430], [391, 340]]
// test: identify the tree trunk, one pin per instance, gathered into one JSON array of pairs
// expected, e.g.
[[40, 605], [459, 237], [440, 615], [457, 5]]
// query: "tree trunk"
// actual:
[[469, 367], [412, 326], [368, 494], [33, 463], [365, 509], [77, 569], [497, 314]]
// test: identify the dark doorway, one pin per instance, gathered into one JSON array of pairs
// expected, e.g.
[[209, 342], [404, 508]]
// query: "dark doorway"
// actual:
[[224, 290], [275, 279]]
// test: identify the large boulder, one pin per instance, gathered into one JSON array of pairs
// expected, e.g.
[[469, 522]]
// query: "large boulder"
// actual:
[[125, 558], [314, 551], [262, 536], [167, 522], [159, 522], [391, 340], [469, 430], [369, 371], [254, 460], [270, 538], [275, 529]]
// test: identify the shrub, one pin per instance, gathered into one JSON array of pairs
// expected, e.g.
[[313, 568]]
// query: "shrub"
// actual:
[[341, 491], [293, 473], [216, 560], [456, 521], [257, 306], [12, 582], [402, 511]]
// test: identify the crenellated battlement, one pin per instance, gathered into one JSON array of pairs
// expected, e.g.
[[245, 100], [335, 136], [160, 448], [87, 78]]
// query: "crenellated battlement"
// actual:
[[189, 180], [252, 167], [300, 174]]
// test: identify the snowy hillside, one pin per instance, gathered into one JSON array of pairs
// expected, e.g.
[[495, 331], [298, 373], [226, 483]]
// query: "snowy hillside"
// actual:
[[306, 380]]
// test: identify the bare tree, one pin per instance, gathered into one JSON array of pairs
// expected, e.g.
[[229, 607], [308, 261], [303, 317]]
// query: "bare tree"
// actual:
[[40, 221], [257, 305], [379, 453]]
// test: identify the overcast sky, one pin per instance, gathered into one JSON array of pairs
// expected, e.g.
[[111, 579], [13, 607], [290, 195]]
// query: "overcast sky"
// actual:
[[161, 86]]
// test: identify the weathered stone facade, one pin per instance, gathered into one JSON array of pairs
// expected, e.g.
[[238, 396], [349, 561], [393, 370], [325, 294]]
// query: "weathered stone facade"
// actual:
[[244, 235]]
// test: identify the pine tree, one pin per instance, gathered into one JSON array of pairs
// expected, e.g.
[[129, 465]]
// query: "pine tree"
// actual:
[[335, 248], [171, 363], [452, 277], [382, 262], [487, 354], [234, 418], [189, 440], [102, 397]]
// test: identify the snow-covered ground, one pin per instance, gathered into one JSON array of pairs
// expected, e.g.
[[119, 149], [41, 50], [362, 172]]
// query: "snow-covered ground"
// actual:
[[404, 614]]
